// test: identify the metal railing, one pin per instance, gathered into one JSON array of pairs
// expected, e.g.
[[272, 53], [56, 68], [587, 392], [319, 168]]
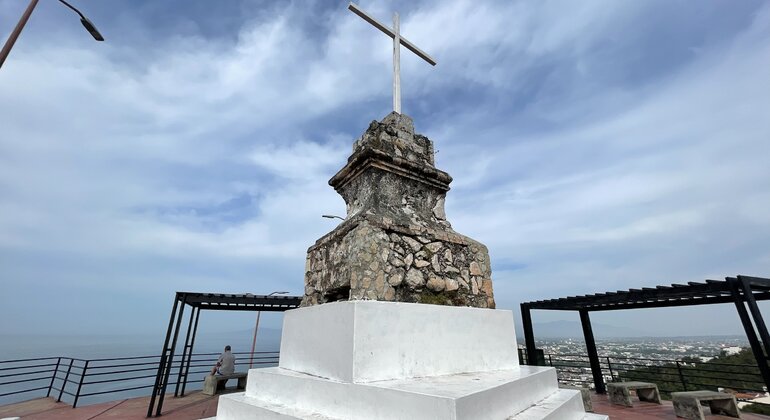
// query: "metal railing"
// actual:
[[72, 380], [670, 375]]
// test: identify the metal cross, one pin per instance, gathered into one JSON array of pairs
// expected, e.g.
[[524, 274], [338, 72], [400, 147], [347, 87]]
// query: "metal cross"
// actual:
[[398, 40]]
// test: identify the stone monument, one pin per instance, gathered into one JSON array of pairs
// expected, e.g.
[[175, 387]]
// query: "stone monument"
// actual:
[[396, 243], [398, 318]]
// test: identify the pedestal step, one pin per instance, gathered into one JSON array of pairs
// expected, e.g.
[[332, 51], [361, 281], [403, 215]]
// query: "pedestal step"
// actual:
[[367, 360], [564, 404], [239, 406], [470, 396]]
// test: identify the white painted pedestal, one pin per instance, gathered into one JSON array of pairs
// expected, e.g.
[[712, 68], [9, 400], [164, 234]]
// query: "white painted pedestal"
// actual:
[[374, 360]]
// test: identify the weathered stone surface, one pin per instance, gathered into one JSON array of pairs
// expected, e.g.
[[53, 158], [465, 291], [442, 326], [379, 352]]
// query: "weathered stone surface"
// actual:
[[436, 284], [435, 264], [415, 278], [475, 269], [452, 285], [421, 263], [395, 243], [396, 278], [416, 246]]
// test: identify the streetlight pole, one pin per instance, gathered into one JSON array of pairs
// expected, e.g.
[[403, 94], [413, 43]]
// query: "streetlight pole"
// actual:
[[16, 31], [25, 17], [256, 328]]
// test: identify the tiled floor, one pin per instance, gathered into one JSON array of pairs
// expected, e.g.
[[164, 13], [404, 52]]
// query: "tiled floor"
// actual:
[[648, 411], [193, 406], [196, 406]]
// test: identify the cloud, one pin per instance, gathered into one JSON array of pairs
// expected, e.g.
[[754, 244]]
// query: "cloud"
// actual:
[[589, 151]]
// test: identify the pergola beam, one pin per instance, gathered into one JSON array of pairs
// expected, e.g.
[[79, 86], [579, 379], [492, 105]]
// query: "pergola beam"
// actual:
[[679, 295], [742, 291]]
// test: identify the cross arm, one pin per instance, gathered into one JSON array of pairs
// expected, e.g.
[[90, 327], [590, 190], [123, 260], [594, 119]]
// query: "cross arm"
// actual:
[[389, 32]]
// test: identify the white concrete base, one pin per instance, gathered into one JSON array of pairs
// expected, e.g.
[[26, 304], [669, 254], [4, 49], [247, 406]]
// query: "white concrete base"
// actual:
[[364, 341], [562, 404], [428, 362]]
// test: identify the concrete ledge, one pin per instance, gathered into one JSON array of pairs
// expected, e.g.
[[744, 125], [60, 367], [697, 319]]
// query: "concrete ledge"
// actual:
[[214, 383], [564, 404], [477, 396], [586, 395]]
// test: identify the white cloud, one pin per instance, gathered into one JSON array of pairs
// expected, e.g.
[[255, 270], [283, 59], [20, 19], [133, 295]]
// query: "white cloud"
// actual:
[[119, 162]]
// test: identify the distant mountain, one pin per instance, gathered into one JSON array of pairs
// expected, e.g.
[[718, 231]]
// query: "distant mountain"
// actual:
[[573, 329]]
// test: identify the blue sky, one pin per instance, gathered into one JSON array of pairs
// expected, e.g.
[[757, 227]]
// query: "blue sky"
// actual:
[[595, 145]]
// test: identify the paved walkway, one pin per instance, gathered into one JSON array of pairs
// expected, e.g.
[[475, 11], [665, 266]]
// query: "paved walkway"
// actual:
[[193, 406], [196, 406], [649, 411]]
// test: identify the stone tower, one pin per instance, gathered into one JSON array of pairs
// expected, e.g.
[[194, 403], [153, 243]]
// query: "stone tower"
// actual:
[[395, 243]]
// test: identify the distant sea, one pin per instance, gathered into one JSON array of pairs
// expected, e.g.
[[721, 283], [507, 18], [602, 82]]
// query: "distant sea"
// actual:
[[88, 347], [24, 346]]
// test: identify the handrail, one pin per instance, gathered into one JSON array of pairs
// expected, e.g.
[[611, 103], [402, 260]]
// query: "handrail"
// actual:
[[81, 378], [671, 375], [32, 359], [77, 378]]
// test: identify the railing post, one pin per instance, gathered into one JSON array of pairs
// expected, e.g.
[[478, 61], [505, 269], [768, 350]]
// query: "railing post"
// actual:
[[681, 376], [66, 378], [609, 366], [80, 385], [550, 361], [53, 376]]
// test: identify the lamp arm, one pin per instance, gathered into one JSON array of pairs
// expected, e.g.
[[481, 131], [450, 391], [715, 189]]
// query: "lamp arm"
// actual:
[[82, 16]]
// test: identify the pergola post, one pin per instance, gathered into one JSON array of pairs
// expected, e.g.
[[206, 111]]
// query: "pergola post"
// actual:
[[751, 335], [748, 295], [192, 346], [593, 356], [185, 353], [161, 362], [170, 359], [529, 335], [198, 302]]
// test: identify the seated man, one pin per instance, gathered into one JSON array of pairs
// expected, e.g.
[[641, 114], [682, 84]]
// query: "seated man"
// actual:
[[225, 363]]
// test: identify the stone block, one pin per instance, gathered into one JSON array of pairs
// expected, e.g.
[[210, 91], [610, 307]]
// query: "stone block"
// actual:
[[689, 404], [396, 221], [620, 392]]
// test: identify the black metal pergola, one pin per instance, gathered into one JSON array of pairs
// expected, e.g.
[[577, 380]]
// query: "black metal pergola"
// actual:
[[743, 291], [198, 302]]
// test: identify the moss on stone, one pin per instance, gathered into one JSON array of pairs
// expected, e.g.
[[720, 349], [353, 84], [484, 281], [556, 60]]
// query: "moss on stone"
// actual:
[[435, 298]]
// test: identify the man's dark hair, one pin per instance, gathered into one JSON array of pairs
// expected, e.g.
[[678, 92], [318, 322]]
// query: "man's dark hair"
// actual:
[[227, 348]]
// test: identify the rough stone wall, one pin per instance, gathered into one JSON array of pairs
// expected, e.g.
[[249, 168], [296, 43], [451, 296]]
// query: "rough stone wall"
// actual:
[[396, 244]]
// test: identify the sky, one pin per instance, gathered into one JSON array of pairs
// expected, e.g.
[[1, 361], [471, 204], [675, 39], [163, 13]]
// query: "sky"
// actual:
[[594, 146]]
